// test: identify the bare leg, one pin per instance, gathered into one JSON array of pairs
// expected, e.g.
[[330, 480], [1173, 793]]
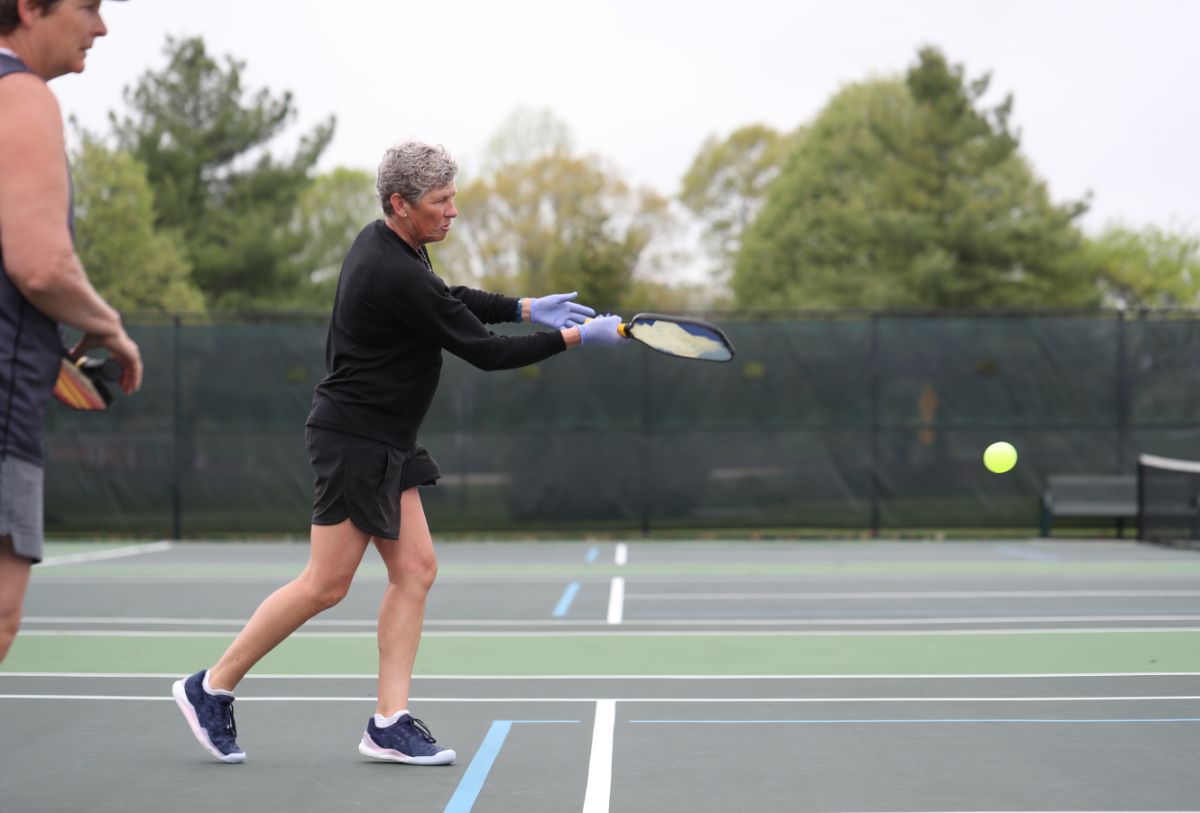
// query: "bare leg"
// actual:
[[412, 567], [14, 579], [334, 556]]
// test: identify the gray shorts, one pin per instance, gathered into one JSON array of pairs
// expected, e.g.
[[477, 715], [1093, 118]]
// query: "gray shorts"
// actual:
[[21, 506]]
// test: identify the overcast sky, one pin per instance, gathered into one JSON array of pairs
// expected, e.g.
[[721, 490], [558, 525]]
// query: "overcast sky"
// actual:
[[1107, 91]]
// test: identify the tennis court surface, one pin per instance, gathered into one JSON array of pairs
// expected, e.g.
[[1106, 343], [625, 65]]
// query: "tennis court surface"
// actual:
[[637, 676]]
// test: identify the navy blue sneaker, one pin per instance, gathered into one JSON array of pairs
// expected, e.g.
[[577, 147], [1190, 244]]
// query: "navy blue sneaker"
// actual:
[[406, 740], [210, 717]]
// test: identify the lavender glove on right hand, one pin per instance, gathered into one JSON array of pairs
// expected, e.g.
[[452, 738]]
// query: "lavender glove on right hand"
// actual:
[[602, 331]]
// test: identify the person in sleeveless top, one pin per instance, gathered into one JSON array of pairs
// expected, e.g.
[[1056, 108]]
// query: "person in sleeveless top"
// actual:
[[42, 283]]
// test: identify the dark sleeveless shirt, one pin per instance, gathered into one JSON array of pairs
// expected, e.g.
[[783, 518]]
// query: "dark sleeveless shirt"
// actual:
[[31, 350]]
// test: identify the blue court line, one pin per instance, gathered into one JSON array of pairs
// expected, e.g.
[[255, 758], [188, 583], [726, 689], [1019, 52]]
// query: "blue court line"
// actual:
[[477, 772], [564, 603], [592, 553], [915, 721]]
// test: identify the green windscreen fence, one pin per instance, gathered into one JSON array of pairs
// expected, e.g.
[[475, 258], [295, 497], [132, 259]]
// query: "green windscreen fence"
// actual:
[[842, 422]]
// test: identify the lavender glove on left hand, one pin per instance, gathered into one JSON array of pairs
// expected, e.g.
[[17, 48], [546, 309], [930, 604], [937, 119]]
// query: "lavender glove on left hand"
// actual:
[[558, 311]]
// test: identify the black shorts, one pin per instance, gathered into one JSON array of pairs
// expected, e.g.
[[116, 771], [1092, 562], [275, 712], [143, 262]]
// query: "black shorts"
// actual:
[[361, 479]]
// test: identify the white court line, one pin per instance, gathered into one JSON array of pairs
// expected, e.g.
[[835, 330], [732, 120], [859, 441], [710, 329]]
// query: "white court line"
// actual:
[[602, 701], [371, 623], [111, 553], [616, 593], [153, 621], [373, 677], [917, 595], [893, 621], [616, 600], [637, 633], [599, 781]]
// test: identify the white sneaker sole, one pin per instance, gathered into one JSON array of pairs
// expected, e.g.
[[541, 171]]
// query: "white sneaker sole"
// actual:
[[369, 749], [198, 731]]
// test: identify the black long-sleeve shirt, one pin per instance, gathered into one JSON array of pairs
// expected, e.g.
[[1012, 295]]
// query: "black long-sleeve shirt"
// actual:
[[392, 317]]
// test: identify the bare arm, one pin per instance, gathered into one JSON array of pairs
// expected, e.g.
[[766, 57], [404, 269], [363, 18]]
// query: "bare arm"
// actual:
[[38, 255]]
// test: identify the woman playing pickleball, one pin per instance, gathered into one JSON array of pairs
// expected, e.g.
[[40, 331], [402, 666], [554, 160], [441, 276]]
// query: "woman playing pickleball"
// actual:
[[392, 318]]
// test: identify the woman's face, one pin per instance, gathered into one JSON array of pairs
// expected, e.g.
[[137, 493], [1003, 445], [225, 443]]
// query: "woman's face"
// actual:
[[429, 220], [70, 29]]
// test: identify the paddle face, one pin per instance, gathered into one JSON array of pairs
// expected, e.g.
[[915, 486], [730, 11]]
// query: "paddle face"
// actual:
[[80, 383], [680, 337]]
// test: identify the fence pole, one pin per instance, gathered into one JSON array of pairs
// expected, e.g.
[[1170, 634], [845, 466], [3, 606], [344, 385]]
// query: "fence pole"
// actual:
[[176, 429], [1122, 393], [875, 365], [647, 479]]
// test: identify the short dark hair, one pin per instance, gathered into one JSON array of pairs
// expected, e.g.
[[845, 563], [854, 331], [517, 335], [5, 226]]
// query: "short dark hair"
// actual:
[[8, 12]]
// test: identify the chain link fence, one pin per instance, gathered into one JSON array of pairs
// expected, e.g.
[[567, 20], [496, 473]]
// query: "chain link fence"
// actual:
[[830, 423]]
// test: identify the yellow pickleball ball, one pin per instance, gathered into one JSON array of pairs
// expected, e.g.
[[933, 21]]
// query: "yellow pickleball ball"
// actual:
[[1000, 457]]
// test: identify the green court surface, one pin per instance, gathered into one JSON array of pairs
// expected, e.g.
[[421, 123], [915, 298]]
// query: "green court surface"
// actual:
[[633, 654]]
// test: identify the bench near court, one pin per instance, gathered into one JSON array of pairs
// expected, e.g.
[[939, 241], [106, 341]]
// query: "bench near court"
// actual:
[[1112, 496]]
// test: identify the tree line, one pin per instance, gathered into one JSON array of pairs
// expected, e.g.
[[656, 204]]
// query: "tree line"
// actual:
[[904, 192]]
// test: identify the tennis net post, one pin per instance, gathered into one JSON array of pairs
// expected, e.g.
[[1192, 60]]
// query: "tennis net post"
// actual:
[[1168, 493]]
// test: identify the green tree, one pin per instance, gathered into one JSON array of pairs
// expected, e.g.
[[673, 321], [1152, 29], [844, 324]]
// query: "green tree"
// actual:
[[727, 181], [329, 215], [1151, 267], [594, 263], [911, 194], [549, 219], [527, 134], [204, 140], [133, 265]]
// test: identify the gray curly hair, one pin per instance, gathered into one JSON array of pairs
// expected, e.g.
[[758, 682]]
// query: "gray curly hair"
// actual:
[[411, 169]]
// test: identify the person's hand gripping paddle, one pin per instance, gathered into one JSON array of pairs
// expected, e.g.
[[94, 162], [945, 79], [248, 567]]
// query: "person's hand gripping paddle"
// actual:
[[81, 382]]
